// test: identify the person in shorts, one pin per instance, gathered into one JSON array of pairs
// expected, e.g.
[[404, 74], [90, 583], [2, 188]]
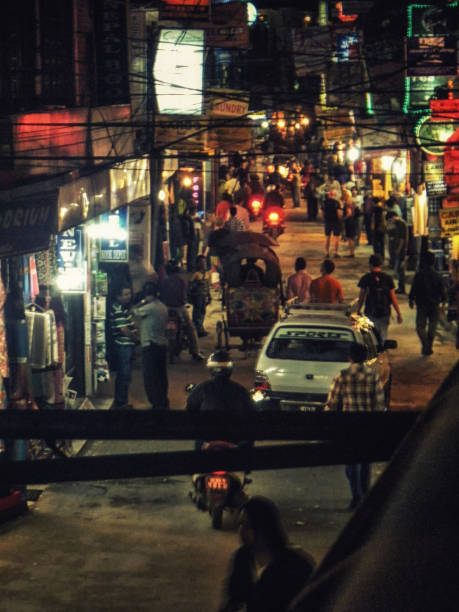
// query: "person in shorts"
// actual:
[[332, 215]]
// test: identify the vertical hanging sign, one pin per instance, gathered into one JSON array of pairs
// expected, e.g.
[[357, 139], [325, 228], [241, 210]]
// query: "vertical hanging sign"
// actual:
[[110, 18]]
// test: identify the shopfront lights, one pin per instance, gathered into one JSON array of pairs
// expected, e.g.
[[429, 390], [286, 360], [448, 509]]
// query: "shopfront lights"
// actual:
[[265, 125], [386, 162], [108, 231], [283, 171], [187, 181], [353, 154], [66, 282], [304, 121], [399, 169], [161, 195], [281, 124]]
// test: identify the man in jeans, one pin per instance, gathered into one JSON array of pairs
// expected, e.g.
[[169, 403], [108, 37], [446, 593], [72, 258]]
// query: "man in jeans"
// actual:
[[357, 388], [125, 338], [397, 231], [153, 317], [427, 292]]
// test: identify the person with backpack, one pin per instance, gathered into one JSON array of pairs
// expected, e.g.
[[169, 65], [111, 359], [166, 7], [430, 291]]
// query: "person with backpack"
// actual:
[[377, 292]]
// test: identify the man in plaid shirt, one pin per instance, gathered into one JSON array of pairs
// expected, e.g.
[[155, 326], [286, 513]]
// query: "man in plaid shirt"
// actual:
[[357, 388]]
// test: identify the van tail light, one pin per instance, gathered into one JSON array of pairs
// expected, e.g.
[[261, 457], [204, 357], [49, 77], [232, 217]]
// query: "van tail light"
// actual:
[[261, 381]]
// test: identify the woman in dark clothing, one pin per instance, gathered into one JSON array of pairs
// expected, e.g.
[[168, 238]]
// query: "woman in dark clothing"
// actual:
[[265, 545]]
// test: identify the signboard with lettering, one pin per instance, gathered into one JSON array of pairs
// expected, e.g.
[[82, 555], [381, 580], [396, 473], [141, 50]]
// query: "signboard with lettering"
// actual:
[[111, 55], [229, 27], [308, 333], [431, 55], [184, 9], [189, 134], [114, 240], [434, 177], [449, 221], [26, 225], [71, 264]]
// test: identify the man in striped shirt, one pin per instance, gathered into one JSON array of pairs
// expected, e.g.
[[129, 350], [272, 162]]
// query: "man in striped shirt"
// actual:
[[357, 388], [125, 337]]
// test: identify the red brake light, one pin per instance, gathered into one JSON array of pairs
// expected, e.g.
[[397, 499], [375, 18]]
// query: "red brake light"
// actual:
[[256, 204], [261, 381], [273, 216]]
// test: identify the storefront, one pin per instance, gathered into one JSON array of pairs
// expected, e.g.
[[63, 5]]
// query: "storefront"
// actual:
[[61, 252]]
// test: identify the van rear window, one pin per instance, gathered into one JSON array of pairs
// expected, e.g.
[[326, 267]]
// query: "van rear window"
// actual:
[[311, 344]]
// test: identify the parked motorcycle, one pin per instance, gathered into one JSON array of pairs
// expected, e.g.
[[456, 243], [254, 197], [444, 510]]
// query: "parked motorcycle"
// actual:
[[220, 493], [177, 337], [274, 221]]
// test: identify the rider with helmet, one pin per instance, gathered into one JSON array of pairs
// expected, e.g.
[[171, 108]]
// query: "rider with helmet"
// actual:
[[220, 393]]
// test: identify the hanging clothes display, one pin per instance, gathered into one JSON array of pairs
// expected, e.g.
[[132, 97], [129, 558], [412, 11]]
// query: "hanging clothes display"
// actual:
[[42, 336], [3, 355], [420, 212]]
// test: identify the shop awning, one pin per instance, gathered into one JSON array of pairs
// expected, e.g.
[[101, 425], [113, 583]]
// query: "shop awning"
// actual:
[[27, 223]]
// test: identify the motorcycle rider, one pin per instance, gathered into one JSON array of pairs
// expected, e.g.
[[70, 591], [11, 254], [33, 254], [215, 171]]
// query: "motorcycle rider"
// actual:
[[173, 291], [220, 393]]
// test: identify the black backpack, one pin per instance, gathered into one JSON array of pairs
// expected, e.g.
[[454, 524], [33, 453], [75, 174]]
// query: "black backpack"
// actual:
[[378, 296]]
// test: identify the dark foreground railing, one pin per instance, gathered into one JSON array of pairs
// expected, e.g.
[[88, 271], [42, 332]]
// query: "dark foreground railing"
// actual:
[[326, 439]]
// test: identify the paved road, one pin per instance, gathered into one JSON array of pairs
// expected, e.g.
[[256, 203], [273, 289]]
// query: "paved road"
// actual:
[[140, 544]]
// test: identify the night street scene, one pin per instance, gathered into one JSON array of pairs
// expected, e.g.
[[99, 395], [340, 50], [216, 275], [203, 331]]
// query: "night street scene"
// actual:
[[229, 297]]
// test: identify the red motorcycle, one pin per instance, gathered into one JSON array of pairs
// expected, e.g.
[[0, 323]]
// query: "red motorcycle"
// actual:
[[255, 207], [274, 221], [219, 492]]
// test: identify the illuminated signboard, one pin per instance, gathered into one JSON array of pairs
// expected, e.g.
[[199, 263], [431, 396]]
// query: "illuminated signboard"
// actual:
[[184, 9], [431, 55], [178, 72], [71, 264], [114, 236], [431, 136]]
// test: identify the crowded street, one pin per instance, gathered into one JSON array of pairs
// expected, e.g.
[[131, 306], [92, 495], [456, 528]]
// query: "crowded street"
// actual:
[[141, 544]]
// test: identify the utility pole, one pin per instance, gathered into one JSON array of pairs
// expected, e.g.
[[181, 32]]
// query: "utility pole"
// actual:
[[154, 155]]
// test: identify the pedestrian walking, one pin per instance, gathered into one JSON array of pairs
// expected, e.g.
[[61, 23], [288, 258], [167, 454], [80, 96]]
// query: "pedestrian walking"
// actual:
[[153, 319], [350, 216], [298, 284], [368, 203], [357, 388], [125, 338], [333, 215], [326, 289], [397, 231], [428, 292], [266, 572], [377, 294], [199, 294], [378, 227]]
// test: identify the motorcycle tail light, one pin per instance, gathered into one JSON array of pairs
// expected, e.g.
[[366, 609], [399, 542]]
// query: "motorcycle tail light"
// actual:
[[273, 217], [255, 204]]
